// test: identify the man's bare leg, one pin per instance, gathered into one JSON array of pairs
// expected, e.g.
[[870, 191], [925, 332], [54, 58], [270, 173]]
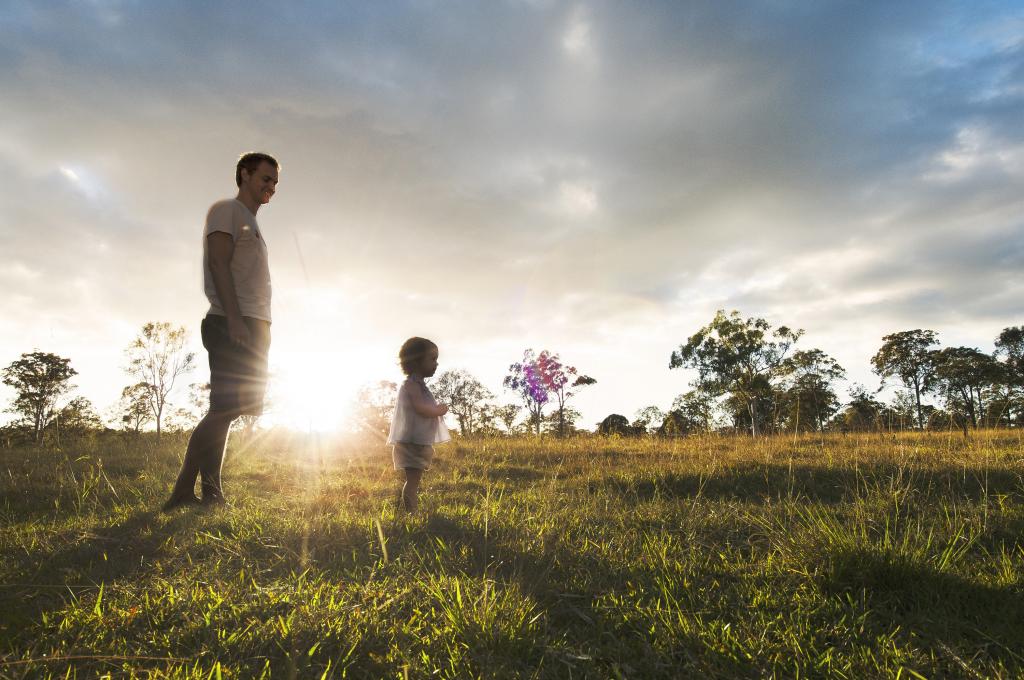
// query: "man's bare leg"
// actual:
[[210, 467], [205, 453]]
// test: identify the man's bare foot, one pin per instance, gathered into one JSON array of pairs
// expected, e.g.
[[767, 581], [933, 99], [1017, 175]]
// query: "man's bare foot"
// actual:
[[215, 499], [178, 501]]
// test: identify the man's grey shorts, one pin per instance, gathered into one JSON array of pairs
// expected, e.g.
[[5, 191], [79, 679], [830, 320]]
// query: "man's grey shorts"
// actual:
[[238, 374]]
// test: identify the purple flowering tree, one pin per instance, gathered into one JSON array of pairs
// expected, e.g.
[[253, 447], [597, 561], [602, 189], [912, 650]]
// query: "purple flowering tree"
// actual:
[[538, 378], [532, 381], [565, 382]]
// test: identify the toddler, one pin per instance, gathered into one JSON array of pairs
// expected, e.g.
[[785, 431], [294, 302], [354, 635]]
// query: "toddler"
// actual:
[[417, 423]]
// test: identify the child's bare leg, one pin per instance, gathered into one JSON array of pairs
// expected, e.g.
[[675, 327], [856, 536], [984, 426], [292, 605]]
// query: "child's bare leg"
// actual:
[[412, 488]]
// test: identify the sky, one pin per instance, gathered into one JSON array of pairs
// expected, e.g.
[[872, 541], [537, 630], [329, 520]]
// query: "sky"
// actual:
[[591, 178]]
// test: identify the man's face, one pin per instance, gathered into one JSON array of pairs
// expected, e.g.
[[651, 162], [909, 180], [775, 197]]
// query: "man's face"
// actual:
[[261, 184]]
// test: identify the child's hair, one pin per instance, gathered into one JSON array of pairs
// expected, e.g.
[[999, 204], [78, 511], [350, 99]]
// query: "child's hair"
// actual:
[[412, 353]]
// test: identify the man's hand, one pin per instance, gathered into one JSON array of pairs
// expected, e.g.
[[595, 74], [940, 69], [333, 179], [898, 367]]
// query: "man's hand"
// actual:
[[239, 332]]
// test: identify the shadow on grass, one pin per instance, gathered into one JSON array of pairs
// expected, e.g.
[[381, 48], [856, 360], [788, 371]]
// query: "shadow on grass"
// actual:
[[762, 483], [42, 582], [568, 585], [951, 613]]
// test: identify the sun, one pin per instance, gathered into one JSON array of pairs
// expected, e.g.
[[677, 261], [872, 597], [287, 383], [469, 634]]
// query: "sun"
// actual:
[[310, 393]]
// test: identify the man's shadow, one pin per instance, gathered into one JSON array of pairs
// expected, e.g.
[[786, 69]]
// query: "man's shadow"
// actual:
[[41, 582]]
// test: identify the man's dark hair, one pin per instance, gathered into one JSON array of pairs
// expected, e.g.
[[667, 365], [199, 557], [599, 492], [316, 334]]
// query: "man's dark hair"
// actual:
[[412, 353], [250, 161]]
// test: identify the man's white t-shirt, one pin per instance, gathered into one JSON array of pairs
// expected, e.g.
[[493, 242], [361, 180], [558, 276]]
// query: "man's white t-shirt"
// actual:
[[250, 266]]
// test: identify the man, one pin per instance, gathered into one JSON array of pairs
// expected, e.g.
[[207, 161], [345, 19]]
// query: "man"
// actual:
[[236, 330]]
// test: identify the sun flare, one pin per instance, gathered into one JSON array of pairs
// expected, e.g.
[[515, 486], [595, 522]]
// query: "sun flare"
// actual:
[[310, 393]]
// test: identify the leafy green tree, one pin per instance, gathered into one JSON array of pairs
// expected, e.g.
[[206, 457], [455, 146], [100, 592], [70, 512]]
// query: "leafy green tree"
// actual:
[[507, 414], [562, 422], [907, 355], [862, 412], [158, 357], [16, 433], [692, 411], [465, 396], [199, 398], [485, 421], [674, 424], [810, 395], [771, 407], [1010, 350], [737, 356], [900, 414], [565, 382], [615, 424], [648, 419], [40, 379], [133, 407], [963, 374], [75, 419]]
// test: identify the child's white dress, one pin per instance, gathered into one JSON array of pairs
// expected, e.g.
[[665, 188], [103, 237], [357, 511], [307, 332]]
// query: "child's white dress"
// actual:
[[413, 435]]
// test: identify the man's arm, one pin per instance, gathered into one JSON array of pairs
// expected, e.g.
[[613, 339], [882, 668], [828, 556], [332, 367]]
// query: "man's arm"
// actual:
[[219, 249]]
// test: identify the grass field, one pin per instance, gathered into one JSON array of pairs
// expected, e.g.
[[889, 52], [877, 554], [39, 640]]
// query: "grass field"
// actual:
[[860, 556]]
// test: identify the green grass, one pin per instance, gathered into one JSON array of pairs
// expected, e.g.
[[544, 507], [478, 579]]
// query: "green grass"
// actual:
[[858, 557]]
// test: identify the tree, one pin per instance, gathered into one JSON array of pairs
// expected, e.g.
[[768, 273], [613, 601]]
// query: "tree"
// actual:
[[373, 408], [39, 378], [245, 425], [564, 382], [811, 398], [562, 422], [507, 414], [157, 357], [532, 379], [1010, 350], [691, 411], [199, 398], [485, 419], [964, 373], [737, 356], [76, 418], [647, 418], [862, 412], [901, 413], [906, 355], [133, 407], [615, 424], [674, 424], [465, 396]]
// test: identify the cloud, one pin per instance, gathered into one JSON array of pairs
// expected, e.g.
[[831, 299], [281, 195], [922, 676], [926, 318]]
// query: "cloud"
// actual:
[[565, 168]]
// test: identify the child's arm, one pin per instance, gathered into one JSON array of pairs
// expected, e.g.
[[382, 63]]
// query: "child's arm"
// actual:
[[425, 408]]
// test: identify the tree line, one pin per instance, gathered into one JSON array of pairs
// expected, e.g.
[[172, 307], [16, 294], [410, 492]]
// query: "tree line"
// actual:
[[750, 377], [156, 360]]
